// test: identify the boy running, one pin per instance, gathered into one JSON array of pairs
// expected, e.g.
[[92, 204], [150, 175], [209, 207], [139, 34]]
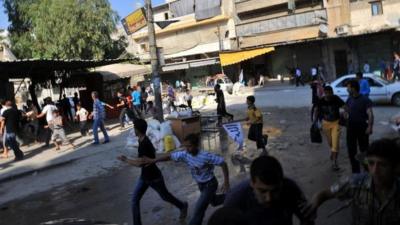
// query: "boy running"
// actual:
[[255, 120], [56, 125], [201, 164]]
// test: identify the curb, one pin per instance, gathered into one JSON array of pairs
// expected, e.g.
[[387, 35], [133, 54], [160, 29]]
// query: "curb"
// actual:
[[30, 172]]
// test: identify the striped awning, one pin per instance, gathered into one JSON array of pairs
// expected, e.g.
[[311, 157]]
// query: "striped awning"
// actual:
[[229, 58]]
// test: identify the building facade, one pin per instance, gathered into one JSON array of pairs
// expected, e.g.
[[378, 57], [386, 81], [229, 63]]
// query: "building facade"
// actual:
[[194, 34], [339, 35]]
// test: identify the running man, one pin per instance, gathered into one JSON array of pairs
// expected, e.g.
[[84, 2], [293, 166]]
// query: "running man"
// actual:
[[201, 164]]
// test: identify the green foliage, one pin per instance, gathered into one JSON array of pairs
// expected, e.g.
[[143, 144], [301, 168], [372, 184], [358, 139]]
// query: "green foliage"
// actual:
[[64, 29]]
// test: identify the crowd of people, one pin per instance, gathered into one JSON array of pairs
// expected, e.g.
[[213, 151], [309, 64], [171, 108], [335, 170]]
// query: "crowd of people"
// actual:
[[27, 125], [268, 196], [16, 125]]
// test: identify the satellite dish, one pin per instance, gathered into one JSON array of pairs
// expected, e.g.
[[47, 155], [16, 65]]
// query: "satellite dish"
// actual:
[[323, 29]]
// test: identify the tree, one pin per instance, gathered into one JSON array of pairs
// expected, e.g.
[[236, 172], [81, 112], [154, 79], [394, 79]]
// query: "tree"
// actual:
[[64, 29]]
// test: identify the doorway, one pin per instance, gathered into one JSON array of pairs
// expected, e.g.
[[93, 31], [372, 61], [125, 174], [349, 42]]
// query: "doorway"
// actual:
[[341, 63]]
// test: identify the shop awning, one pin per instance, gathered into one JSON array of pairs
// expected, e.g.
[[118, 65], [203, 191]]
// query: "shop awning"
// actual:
[[229, 58], [121, 71]]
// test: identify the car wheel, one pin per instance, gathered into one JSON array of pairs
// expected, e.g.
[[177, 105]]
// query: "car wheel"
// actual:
[[396, 99]]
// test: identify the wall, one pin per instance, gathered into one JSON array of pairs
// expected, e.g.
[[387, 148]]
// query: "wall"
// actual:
[[362, 20], [185, 39], [338, 14]]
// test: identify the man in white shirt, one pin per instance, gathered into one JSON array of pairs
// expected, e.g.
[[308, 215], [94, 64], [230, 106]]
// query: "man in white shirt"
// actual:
[[366, 67], [314, 73], [48, 111], [298, 77]]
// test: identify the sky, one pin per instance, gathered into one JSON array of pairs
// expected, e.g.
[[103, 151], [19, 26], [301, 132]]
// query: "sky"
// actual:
[[123, 8]]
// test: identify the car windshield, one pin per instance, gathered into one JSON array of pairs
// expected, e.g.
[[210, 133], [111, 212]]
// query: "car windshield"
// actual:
[[385, 82]]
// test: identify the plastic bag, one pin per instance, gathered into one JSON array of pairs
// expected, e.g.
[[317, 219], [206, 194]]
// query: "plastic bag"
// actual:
[[153, 124], [165, 129], [132, 140], [160, 148], [315, 134]]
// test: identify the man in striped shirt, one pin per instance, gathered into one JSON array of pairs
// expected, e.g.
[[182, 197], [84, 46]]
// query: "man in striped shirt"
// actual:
[[201, 164], [374, 196], [98, 116]]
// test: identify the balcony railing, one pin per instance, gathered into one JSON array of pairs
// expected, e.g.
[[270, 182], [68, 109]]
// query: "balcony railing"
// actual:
[[250, 5], [282, 23]]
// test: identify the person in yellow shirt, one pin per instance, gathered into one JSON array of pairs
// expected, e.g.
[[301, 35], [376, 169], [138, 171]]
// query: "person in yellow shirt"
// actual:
[[255, 120]]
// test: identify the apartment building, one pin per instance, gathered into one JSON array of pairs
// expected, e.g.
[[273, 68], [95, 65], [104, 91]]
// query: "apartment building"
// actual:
[[340, 35], [190, 34]]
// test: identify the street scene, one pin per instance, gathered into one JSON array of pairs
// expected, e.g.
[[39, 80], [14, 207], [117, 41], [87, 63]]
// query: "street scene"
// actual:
[[213, 112]]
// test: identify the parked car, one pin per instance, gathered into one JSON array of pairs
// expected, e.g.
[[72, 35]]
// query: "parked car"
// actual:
[[382, 91], [225, 83]]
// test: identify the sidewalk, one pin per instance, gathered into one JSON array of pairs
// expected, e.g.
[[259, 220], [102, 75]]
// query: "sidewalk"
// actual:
[[38, 158]]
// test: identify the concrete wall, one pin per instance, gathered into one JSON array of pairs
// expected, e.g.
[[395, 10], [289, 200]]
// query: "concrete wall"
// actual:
[[190, 38], [338, 14], [362, 20]]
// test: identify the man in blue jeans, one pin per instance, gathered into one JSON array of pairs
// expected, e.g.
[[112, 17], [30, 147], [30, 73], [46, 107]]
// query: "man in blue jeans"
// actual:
[[98, 116], [10, 119], [201, 164], [151, 176]]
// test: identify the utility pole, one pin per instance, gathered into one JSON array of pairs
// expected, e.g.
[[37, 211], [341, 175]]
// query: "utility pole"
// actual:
[[155, 64]]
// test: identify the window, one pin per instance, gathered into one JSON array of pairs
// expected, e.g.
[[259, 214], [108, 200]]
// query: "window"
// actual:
[[144, 48], [344, 82], [376, 8], [373, 83], [166, 16], [227, 34]]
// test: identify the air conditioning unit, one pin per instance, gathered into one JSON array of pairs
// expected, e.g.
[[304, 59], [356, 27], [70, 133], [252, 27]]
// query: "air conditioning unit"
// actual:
[[341, 30]]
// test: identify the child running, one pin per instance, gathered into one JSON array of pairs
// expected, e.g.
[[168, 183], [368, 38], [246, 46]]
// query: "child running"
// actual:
[[56, 125], [201, 164], [255, 120], [81, 116]]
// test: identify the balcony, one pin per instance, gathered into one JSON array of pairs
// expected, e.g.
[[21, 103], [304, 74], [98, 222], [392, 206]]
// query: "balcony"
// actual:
[[243, 6], [310, 18]]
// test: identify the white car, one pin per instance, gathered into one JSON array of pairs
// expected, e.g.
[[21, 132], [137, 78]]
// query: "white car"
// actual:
[[225, 83], [382, 91]]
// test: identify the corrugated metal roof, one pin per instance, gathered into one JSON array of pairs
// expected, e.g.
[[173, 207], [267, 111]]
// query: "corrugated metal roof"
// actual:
[[43, 67], [120, 71]]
